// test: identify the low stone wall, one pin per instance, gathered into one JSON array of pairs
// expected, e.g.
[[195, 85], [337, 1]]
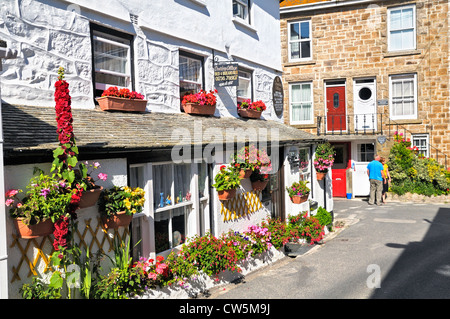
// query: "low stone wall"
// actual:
[[416, 198]]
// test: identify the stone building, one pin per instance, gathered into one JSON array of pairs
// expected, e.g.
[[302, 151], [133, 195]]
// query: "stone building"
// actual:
[[161, 49], [358, 71]]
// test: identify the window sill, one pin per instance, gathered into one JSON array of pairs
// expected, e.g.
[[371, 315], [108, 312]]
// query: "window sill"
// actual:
[[173, 206], [402, 53], [405, 121], [304, 125], [243, 23], [297, 63], [199, 2]]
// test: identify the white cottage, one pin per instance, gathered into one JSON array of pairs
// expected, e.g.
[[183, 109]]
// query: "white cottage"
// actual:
[[162, 49]]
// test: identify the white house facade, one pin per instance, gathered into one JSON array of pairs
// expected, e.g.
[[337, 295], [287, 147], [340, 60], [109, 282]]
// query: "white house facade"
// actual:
[[161, 49]]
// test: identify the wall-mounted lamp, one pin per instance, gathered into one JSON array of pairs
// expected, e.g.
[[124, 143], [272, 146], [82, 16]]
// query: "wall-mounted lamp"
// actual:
[[293, 158]]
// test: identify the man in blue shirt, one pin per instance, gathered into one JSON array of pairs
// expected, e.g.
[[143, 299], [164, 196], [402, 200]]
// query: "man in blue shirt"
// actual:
[[374, 170]]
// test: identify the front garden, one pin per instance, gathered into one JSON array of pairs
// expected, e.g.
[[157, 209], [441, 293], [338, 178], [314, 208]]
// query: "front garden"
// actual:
[[200, 256], [413, 173]]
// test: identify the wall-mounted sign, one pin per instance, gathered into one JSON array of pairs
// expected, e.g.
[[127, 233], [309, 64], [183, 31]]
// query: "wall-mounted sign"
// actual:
[[383, 102], [278, 96], [226, 74], [381, 139]]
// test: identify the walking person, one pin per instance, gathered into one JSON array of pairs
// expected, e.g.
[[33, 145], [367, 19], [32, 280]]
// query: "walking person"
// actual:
[[386, 180], [375, 172]]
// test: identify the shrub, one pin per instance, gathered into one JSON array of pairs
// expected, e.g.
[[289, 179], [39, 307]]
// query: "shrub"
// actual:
[[324, 217]]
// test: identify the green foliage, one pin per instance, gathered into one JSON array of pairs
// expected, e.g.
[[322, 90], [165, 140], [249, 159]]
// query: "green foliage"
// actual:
[[37, 289], [124, 198], [324, 217], [47, 198], [416, 174], [306, 227], [120, 283], [227, 178], [298, 189], [279, 232]]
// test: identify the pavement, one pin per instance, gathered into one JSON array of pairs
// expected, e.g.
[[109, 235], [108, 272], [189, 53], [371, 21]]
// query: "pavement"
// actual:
[[396, 250]]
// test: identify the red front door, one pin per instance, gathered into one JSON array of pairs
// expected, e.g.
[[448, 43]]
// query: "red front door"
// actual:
[[336, 120], [339, 169]]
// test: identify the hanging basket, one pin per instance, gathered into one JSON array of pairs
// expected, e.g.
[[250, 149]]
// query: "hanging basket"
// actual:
[[41, 229], [226, 194], [245, 173], [250, 114], [299, 199], [198, 109], [89, 198], [320, 176], [112, 103], [120, 219], [259, 185]]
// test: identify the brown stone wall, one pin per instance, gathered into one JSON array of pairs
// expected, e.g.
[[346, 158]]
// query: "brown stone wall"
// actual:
[[351, 42]]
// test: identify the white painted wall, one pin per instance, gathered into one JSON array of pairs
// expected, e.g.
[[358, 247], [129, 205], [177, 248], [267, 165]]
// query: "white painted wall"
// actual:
[[53, 33]]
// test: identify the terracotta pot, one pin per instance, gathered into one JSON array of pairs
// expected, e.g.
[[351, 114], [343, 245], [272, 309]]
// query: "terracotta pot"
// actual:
[[197, 109], [226, 194], [120, 219], [320, 176], [111, 103], [299, 199], [245, 173], [33, 231], [259, 185], [251, 114], [89, 198]]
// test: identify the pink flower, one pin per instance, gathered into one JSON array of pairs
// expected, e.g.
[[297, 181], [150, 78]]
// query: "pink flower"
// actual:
[[12, 192], [102, 176], [152, 275], [9, 202]]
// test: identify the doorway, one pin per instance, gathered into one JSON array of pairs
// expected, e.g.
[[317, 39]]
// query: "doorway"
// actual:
[[336, 106], [365, 104], [339, 170]]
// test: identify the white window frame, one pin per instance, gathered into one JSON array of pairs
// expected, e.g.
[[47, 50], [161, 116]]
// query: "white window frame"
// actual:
[[398, 78], [299, 41], [195, 217], [421, 137], [243, 78], [120, 42], [414, 27], [358, 152], [246, 10], [199, 81], [311, 121]]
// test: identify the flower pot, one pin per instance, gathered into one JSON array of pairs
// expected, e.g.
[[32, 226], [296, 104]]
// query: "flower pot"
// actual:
[[245, 173], [299, 199], [296, 249], [320, 176], [111, 103], [226, 194], [89, 198], [120, 219], [259, 185], [198, 109], [250, 114], [41, 229]]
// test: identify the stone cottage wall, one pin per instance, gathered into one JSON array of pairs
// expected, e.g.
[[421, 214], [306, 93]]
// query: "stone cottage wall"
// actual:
[[351, 42]]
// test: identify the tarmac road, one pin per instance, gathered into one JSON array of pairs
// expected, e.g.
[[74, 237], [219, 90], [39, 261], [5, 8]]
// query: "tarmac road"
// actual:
[[398, 250]]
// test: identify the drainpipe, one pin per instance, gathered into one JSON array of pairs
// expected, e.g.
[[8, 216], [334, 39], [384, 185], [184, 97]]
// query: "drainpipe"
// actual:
[[4, 54]]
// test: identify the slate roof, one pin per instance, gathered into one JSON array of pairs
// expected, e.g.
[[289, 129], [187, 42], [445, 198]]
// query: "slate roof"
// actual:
[[28, 130]]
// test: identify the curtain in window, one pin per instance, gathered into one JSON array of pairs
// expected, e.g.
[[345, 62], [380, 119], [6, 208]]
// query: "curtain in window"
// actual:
[[403, 96], [301, 103], [162, 184]]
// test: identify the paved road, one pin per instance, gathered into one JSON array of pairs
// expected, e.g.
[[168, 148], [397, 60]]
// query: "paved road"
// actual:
[[398, 250]]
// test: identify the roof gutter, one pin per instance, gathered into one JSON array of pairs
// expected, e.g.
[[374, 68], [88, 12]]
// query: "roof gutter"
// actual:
[[323, 5]]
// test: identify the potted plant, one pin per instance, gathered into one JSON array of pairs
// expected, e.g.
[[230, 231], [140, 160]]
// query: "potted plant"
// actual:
[[259, 180], [226, 182], [324, 159], [47, 199], [298, 192], [296, 245], [251, 110], [116, 99], [118, 205], [91, 191], [201, 103]]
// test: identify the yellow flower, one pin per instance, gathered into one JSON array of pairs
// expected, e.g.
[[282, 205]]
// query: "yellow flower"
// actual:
[[127, 203]]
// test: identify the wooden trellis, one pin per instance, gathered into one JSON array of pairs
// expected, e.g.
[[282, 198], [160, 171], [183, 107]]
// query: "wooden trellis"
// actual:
[[39, 249], [241, 205]]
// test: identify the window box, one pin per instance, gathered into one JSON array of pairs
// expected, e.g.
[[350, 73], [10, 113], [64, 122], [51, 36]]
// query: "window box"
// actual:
[[111, 103], [198, 109], [250, 114], [40, 229]]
